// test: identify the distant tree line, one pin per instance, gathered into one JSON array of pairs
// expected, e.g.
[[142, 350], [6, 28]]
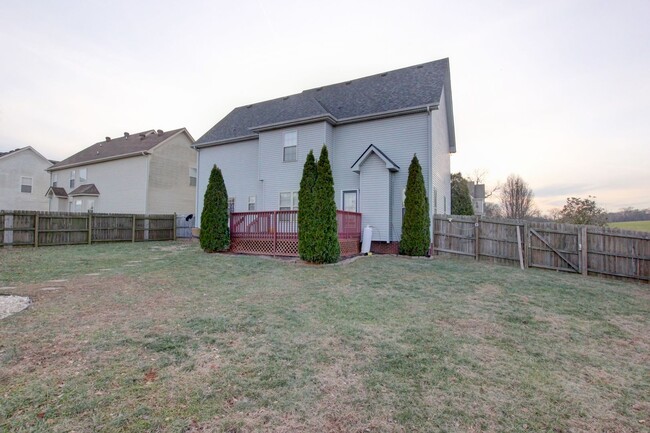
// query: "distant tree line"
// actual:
[[629, 214]]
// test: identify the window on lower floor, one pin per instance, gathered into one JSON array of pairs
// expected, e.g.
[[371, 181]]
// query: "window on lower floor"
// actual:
[[350, 201], [26, 184], [251, 202], [289, 200], [231, 204]]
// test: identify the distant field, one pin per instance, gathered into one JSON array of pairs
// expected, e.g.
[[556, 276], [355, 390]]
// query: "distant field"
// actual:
[[642, 226]]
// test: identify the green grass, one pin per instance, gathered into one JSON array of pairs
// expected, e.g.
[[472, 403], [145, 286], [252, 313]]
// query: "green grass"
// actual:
[[639, 226], [167, 338]]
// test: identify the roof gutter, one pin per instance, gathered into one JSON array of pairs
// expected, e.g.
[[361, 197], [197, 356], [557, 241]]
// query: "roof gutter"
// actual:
[[96, 161]]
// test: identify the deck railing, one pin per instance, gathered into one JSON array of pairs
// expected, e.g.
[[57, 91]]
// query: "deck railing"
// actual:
[[276, 232]]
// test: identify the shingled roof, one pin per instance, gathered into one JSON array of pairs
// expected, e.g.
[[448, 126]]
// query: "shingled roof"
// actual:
[[390, 93], [89, 189], [115, 148]]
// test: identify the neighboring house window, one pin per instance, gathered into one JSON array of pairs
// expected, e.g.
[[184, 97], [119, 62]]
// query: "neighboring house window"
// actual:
[[55, 179], [444, 205], [435, 201], [77, 205], [91, 205], [289, 200], [350, 201], [26, 184], [193, 174], [72, 176], [83, 175], [290, 146], [231, 204], [251, 202]]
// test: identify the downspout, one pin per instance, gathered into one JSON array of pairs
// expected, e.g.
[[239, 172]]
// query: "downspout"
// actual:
[[196, 190], [146, 189], [430, 167]]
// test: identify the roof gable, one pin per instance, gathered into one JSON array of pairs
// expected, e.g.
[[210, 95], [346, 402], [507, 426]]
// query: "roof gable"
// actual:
[[18, 151], [121, 147], [374, 150], [414, 87]]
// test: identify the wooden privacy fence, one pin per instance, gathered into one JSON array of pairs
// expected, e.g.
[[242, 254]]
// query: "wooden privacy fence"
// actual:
[[276, 232], [38, 229], [546, 245]]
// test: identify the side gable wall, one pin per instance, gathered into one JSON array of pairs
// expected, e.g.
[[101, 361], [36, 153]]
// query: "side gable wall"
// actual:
[[169, 177], [441, 159], [12, 167]]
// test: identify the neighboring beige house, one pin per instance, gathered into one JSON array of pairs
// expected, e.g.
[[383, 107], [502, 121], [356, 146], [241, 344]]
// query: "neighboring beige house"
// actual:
[[151, 172], [23, 180]]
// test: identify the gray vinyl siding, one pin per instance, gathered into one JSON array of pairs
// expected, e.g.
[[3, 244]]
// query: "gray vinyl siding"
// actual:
[[374, 181], [277, 176], [399, 138], [440, 158], [238, 164], [14, 166]]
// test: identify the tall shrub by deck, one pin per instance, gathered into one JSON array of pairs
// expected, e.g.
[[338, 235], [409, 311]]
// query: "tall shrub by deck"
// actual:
[[214, 218], [306, 247], [415, 225], [325, 231]]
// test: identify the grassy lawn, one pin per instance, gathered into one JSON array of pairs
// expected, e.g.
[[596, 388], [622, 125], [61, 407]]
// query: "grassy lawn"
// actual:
[[640, 226], [162, 337]]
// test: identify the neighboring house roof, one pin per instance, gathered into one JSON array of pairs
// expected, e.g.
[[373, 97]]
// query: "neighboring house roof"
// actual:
[[57, 191], [411, 89], [23, 149], [116, 148], [89, 189]]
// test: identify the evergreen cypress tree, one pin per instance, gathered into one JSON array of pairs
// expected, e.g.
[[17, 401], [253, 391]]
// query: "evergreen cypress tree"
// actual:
[[306, 208], [461, 201], [325, 229], [415, 225], [214, 218]]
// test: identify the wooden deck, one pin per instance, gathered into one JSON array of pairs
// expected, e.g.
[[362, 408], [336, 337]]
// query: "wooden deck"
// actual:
[[275, 233]]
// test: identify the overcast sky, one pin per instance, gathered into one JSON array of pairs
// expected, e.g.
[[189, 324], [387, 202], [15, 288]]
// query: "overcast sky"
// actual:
[[555, 91]]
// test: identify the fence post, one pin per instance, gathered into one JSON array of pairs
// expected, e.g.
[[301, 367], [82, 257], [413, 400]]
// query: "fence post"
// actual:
[[133, 228], [526, 245], [90, 227], [477, 246], [36, 231], [174, 226], [583, 251], [275, 232]]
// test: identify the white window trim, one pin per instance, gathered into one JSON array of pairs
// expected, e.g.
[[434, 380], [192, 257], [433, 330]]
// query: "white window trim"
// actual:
[[343, 191], [72, 181], [30, 185], [253, 202], [294, 206], [194, 174], [284, 144], [55, 179], [83, 179], [233, 204]]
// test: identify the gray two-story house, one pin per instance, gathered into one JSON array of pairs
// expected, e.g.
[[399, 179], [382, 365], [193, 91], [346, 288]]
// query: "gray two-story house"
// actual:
[[371, 126]]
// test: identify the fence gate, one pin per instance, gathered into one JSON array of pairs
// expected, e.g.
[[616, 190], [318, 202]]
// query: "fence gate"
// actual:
[[554, 246]]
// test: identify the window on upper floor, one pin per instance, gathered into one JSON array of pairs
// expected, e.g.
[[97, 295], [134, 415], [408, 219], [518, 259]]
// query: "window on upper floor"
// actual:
[[26, 184], [83, 175], [72, 178], [289, 200], [55, 179], [290, 148], [193, 174]]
